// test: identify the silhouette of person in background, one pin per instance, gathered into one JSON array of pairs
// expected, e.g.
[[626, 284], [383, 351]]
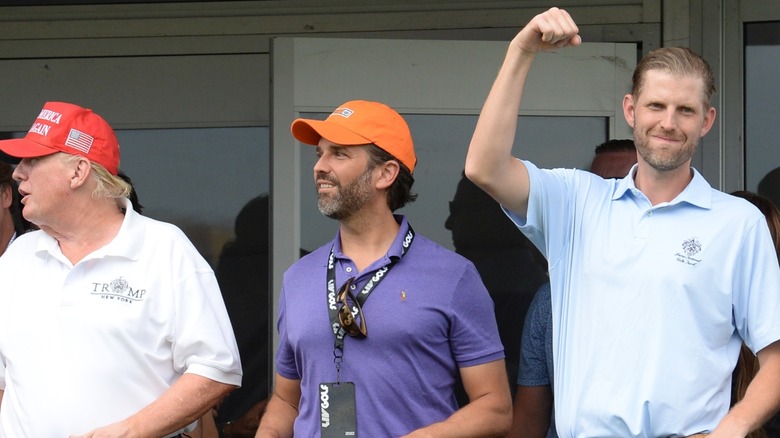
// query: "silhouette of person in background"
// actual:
[[769, 186], [510, 265], [242, 273]]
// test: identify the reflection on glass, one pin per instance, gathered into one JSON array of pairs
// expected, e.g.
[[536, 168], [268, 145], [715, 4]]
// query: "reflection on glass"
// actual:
[[213, 184], [762, 62], [243, 275], [197, 179], [510, 265]]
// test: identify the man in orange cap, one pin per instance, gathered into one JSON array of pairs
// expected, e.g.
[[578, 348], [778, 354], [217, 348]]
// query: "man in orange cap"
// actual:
[[383, 367], [112, 323]]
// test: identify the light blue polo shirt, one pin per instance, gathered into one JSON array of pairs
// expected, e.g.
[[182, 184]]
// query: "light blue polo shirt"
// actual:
[[650, 303]]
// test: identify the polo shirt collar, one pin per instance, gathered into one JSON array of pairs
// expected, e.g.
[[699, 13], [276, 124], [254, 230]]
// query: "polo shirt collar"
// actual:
[[129, 240], [698, 192], [127, 243], [396, 248], [624, 185]]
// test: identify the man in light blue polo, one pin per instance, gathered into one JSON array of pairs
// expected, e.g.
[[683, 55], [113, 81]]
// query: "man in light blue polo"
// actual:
[[656, 278]]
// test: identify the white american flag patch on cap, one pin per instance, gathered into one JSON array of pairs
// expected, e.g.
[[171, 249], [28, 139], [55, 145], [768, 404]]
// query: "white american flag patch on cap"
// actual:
[[79, 140]]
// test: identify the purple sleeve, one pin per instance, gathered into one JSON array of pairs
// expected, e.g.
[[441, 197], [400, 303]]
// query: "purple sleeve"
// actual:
[[474, 332], [285, 356]]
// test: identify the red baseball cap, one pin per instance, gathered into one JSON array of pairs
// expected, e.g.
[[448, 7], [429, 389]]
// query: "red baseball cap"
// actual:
[[69, 128], [360, 122]]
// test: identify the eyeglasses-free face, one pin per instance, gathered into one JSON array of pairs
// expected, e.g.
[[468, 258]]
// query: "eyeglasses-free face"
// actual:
[[354, 327]]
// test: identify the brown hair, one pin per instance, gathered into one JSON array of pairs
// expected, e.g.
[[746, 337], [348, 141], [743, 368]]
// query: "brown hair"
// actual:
[[6, 174], [400, 192], [6, 179], [616, 145], [747, 364], [679, 61]]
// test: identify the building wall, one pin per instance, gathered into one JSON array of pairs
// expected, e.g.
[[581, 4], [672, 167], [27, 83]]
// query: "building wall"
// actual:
[[30, 36]]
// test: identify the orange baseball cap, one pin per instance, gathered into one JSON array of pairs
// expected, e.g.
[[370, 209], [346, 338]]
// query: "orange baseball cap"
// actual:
[[360, 122], [69, 128]]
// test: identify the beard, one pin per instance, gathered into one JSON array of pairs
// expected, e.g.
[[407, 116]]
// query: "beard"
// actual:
[[348, 199], [663, 159]]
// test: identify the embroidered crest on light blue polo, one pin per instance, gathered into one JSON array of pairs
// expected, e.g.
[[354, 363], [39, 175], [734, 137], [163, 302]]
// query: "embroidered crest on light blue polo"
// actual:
[[690, 248]]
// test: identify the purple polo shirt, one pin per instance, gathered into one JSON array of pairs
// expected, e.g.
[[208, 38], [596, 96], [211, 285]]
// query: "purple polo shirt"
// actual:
[[430, 316]]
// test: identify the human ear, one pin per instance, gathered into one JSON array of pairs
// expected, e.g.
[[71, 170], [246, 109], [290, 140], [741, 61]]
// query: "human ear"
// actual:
[[7, 196], [628, 109], [709, 120], [80, 172], [389, 171]]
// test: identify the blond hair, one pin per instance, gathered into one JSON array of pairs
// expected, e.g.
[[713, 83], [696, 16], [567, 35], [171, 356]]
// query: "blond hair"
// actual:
[[108, 185], [678, 61]]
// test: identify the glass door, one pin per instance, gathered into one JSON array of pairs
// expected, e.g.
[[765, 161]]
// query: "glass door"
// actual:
[[762, 110]]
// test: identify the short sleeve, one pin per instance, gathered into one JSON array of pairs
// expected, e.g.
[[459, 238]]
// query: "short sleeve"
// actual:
[[204, 343], [533, 353], [756, 302], [285, 356], [475, 338]]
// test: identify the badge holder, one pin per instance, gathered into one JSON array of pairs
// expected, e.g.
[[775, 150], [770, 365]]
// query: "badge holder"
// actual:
[[337, 410]]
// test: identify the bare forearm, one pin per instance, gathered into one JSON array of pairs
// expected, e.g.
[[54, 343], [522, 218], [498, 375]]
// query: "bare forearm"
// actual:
[[187, 400], [491, 143], [761, 401], [489, 412], [277, 422], [488, 416], [183, 403], [532, 410], [282, 409]]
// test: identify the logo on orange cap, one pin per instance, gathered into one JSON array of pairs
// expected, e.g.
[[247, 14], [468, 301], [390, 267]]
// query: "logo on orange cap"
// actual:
[[345, 112]]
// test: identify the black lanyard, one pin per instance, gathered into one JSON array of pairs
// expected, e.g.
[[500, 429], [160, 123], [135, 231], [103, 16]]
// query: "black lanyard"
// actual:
[[330, 290]]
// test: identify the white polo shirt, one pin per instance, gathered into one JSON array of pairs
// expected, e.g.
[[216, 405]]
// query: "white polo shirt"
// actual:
[[87, 345], [649, 303]]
